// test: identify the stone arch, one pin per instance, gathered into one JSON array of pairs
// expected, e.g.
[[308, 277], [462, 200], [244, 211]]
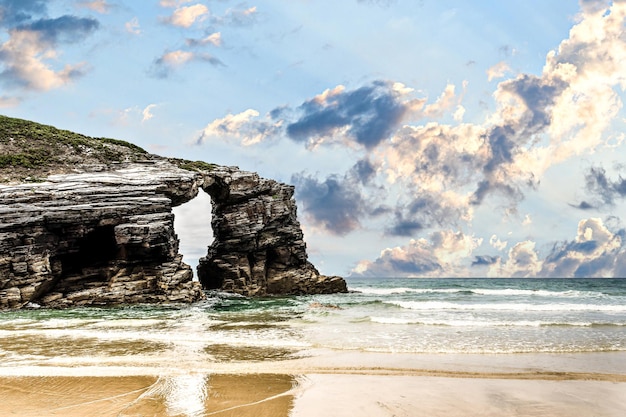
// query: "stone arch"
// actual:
[[258, 245]]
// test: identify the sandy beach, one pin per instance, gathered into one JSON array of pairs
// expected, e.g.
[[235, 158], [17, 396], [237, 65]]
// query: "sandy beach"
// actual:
[[331, 385]]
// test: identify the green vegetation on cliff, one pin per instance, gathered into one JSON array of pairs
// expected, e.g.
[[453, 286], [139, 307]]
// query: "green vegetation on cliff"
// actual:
[[30, 151]]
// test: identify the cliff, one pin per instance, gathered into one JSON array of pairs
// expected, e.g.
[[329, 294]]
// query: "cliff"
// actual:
[[87, 221]]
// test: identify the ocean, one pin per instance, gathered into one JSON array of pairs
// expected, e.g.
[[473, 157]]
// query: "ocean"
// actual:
[[393, 315]]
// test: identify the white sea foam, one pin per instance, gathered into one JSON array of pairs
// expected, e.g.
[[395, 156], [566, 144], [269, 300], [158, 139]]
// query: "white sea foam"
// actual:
[[477, 291], [482, 323], [444, 305]]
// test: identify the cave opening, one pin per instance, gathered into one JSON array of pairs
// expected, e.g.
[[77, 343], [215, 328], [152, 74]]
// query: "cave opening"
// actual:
[[96, 249], [192, 224]]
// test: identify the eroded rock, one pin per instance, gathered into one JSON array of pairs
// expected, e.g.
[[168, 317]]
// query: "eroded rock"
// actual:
[[107, 237]]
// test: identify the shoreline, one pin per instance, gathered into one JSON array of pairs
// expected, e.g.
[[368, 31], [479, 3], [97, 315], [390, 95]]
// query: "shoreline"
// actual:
[[330, 383]]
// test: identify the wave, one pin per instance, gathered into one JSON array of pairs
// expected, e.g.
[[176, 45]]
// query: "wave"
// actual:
[[442, 305], [478, 291], [487, 323]]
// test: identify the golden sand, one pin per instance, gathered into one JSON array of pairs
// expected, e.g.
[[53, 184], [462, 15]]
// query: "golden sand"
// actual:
[[134, 396]]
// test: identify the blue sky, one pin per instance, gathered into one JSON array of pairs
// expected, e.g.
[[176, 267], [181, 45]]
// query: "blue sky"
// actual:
[[424, 138]]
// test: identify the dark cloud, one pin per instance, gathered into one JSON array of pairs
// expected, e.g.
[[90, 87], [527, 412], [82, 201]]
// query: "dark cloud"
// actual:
[[14, 12], [338, 203], [333, 203], [411, 267], [404, 227], [423, 212], [368, 114], [364, 170], [598, 184], [538, 94], [62, 29], [505, 140], [485, 260], [584, 206]]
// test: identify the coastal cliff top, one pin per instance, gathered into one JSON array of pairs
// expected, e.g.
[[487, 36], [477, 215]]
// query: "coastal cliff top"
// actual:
[[30, 152]]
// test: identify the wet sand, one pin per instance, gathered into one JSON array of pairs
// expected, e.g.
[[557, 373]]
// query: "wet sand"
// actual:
[[329, 384], [135, 396]]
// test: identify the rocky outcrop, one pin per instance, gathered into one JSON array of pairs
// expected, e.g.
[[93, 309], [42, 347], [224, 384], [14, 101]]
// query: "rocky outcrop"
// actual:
[[258, 247], [95, 238], [107, 237]]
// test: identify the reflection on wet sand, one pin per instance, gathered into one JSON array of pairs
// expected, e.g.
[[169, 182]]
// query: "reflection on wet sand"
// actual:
[[185, 395]]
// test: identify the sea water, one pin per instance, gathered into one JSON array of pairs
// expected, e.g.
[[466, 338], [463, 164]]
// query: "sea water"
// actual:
[[424, 316]]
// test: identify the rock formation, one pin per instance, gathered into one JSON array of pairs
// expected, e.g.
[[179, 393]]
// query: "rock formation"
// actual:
[[106, 236], [258, 247], [95, 238]]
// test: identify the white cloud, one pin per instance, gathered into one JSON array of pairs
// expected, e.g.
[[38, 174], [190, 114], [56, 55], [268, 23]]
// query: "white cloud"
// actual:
[[498, 71], [147, 112], [444, 102], [25, 56], [177, 58], [244, 126], [497, 243], [132, 26], [188, 15]]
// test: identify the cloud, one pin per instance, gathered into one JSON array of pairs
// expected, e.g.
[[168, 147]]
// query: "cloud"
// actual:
[[485, 260], [595, 252], [602, 187], [367, 115], [337, 203], [66, 28], [214, 39], [498, 71], [243, 126], [100, 6], [540, 121], [186, 16], [163, 66], [22, 57], [238, 17], [425, 210], [445, 171], [496, 243], [29, 55], [13, 12], [132, 26], [147, 112], [434, 257]]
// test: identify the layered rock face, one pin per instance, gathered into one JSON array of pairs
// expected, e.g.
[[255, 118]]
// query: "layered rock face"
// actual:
[[258, 247], [95, 238], [108, 237]]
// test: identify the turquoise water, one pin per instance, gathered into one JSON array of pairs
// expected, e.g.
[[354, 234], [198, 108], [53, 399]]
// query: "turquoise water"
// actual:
[[380, 315]]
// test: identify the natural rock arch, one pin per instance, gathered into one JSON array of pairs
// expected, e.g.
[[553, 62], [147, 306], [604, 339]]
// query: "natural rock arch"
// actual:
[[107, 237], [258, 245]]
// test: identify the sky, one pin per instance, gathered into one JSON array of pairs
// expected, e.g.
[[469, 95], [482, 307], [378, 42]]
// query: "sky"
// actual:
[[425, 138]]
